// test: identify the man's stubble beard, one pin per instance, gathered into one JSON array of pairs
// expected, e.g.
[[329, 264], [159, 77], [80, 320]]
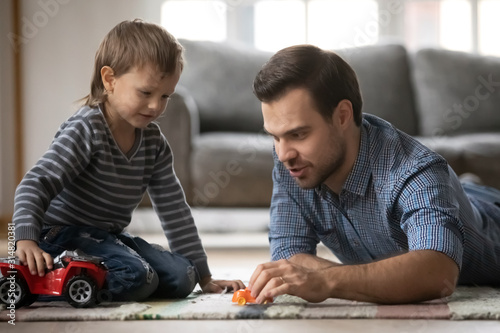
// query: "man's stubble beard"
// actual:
[[326, 166]]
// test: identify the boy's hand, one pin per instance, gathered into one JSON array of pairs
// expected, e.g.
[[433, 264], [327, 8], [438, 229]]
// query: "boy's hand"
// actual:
[[33, 256], [208, 285]]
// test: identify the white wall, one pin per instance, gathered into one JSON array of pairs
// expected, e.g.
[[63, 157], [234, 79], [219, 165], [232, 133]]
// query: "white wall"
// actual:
[[7, 172], [61, 38]]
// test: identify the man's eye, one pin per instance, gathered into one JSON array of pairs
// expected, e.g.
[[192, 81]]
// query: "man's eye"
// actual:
[[146, 93]]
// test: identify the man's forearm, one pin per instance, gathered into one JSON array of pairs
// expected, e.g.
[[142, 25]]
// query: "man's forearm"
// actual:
[[411, 277], [312, 262]]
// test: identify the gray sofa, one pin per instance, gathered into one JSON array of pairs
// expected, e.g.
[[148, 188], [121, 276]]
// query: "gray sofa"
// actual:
[[448, 100]]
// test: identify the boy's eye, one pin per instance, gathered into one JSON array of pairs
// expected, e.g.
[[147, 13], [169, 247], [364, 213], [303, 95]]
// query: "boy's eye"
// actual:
[[146, 93]]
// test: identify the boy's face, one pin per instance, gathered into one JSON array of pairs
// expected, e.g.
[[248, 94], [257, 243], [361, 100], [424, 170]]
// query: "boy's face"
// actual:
[[138, 97], [312, 149]]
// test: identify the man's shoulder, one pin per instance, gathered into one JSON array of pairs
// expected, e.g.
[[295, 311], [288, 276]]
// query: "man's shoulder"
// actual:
[[395, 156], [386, 141]]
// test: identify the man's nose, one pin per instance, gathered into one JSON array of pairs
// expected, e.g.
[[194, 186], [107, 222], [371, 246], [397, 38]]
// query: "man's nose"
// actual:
[[285, 151]]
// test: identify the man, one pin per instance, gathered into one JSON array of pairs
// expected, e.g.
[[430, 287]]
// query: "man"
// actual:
[[391, 210]]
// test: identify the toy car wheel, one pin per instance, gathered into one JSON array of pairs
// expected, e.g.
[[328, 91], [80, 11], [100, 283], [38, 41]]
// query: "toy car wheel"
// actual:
[[241, 301], [16, 290], [81, 291]]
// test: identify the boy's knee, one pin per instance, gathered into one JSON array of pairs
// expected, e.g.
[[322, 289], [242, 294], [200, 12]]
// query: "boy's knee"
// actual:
[[142, 285], [187, 285], [182, 286]]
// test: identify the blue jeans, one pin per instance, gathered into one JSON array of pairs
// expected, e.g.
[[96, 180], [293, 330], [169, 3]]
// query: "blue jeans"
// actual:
[[484, 193], [133, 264]]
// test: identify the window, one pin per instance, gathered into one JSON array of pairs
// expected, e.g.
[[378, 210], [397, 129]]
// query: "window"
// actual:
[[489, 26], [340, 24], [464, 25], [438, 23], [279, 23], [195, 19], [325, 23]]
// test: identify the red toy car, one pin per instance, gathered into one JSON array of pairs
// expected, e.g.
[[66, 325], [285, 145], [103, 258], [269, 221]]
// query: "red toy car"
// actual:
[[77, 276], [243, 296]]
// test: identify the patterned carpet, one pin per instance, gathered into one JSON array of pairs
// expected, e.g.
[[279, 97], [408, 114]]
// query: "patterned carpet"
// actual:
[[465, 303]]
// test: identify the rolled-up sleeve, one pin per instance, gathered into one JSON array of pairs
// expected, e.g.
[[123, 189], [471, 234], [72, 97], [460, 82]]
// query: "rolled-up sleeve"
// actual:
[[431, 212]]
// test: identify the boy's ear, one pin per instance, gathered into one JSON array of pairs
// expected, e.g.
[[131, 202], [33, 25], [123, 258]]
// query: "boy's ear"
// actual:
[[108, 78]]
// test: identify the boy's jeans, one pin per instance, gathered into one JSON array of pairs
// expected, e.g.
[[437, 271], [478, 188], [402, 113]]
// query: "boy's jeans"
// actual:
[[131, 261]]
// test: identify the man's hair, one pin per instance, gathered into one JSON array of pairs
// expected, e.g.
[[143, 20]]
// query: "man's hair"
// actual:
[[327, 77], [134, 44]]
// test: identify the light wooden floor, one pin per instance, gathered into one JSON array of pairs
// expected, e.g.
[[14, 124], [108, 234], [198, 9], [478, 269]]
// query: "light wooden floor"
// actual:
[[259, 326], [226, 260]]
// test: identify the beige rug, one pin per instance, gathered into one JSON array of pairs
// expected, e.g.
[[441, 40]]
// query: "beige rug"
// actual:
[[465, 303]]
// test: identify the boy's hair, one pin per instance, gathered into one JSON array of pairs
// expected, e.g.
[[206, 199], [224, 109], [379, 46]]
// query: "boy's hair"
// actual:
[[133, 44], [327, 77]]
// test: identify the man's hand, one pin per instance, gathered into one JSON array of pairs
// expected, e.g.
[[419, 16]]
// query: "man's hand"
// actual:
[[33, 256], [284, 277], [411, 277], [208, 285]]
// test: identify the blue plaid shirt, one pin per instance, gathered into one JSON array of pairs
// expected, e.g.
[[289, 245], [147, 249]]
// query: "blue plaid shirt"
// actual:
[[400, 196]]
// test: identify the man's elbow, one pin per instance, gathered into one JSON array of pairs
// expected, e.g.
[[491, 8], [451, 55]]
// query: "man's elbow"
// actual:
[[438, 276], [445, 280]]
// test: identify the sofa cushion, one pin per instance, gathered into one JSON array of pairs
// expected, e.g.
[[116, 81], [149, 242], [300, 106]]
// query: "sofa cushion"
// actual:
[[477, 153], [482, 156], [219, 76], [384, 79], [448, 147], [232, 169], [456, 92]]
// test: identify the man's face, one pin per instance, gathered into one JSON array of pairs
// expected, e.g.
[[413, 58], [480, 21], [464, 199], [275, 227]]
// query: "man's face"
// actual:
[[312, 149]]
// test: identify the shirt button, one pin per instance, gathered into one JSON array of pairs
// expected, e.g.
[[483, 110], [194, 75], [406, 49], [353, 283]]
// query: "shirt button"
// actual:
[[355, 243]]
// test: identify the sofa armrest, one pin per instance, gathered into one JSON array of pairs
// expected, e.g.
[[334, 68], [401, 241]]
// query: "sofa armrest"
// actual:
[[180, 124]]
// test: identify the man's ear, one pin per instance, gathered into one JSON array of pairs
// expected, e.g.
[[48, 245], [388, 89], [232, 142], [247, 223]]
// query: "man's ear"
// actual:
[[108, 78], [344, 113]]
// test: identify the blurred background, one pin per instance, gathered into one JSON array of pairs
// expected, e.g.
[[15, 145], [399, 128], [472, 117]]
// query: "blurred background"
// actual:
[[463, 25], [47, 48]]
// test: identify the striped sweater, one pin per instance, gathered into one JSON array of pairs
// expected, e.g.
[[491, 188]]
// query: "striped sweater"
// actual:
[[85, 179]]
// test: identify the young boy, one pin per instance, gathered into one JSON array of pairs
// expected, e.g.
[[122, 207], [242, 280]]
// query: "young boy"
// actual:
[[82, 192]]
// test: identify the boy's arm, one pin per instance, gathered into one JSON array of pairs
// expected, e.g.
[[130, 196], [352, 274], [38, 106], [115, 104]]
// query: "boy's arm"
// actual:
[[411, 277], [169, 202], [68, 155], [33, 256]]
